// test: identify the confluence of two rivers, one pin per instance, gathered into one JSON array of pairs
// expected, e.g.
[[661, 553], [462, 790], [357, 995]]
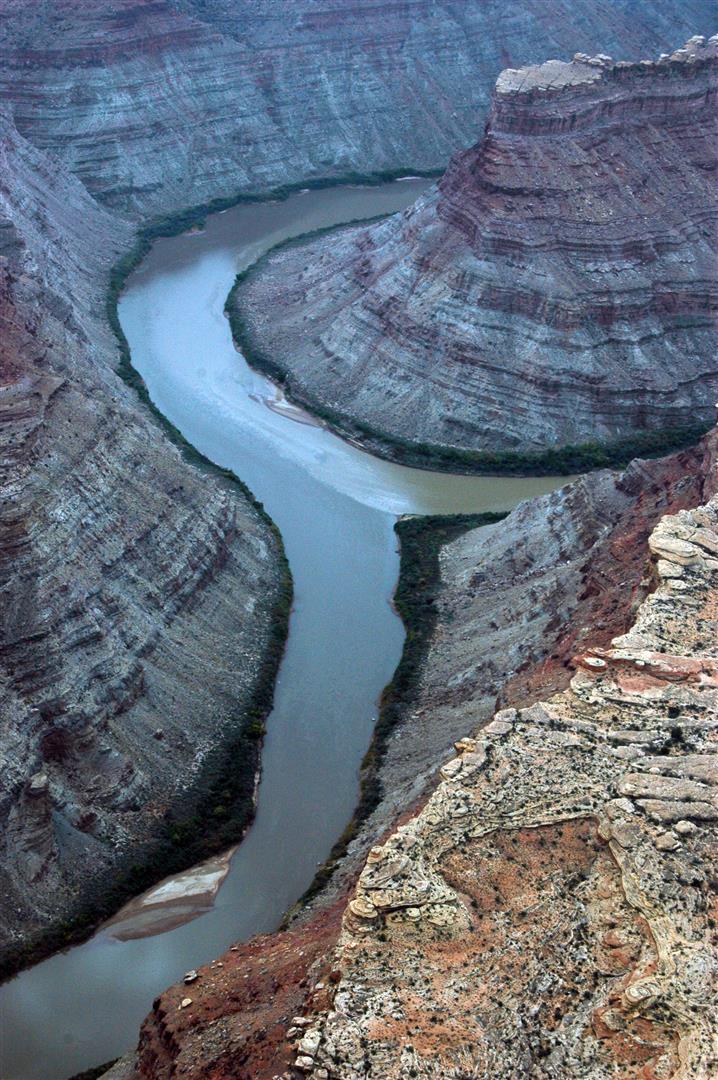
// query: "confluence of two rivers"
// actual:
[[335, 507]]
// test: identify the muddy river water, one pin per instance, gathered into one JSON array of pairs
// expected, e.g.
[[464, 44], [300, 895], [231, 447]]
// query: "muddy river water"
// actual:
[[335, 507]]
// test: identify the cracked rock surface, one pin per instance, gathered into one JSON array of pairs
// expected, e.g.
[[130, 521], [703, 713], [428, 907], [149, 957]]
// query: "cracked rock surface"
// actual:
[[551, 910], [498, 916]]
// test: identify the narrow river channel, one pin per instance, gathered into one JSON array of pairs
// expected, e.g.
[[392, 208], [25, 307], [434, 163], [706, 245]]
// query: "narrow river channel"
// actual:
[[335, 507]]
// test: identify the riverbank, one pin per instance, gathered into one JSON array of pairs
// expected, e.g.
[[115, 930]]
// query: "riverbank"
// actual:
[[344, 561], [420, 542], [554, 461], [221, 808], [557, 574], [212, 816]]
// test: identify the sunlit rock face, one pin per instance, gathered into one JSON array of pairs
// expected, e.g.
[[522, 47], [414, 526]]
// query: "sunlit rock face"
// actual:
[[155, 104], [549, 912], [558, 285]]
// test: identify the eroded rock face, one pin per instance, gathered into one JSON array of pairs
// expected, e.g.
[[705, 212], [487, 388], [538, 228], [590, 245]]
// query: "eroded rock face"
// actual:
[[551, 909], [520, 909], [155, 103], [518, 599], [124, 572], [557, 286]]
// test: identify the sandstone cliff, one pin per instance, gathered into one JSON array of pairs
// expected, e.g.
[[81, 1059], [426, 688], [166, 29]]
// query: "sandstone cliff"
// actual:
[[155, 103], [496, 931], [137, 591], [558, 285]]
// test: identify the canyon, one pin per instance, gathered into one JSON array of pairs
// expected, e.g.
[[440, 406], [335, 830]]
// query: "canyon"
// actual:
[[119, 552], [125, 572], [156, 105], [542, 906], [552, 290], [146, 594]]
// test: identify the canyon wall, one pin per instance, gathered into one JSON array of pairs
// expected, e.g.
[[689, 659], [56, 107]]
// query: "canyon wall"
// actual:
[[156, 104], [138, 592], [497, 930], [558, 286], [126, 570], [551, 910]]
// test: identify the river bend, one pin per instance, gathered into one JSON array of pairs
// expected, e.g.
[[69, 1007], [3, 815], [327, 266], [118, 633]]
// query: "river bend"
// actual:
[[335, 507]]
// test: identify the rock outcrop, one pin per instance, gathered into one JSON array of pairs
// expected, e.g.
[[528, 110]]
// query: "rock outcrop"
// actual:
[[154, 103], [558, 286], [535, 917], [551, 909], [125, 573]]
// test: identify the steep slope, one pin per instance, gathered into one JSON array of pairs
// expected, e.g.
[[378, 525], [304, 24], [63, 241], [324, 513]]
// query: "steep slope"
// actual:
[[156, 104], [558, 286], [138, 593], [561, 574], [549, 911]]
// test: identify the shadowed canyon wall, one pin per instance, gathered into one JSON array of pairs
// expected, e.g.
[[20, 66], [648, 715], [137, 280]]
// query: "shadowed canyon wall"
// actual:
[[138, 592], [155, 104]]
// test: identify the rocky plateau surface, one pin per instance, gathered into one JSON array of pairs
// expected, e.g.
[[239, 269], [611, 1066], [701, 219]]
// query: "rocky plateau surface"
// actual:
[[557, 286], [155, 103], [545, 905], [551, 910]]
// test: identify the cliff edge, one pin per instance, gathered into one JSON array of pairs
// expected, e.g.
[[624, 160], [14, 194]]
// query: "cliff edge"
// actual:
[[549, 908]]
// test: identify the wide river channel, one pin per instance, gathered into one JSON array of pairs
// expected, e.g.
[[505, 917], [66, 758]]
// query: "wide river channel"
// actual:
[[335, 507]]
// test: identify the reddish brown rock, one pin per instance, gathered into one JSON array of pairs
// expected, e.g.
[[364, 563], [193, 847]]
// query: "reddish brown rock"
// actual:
[[530, 826], [533, 919], [242, 1008]]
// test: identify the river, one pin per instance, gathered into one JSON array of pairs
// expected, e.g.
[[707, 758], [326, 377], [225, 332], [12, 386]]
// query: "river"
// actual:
[[335, 506]]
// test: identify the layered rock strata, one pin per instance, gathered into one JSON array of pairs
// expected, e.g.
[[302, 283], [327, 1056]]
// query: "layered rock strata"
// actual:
[[557, 286], [155, 104], [551, 911], [138, 593], [456, 936]]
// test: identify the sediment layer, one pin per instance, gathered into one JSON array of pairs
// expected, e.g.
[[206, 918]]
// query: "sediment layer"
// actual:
[[156, 105], [557, 287]]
